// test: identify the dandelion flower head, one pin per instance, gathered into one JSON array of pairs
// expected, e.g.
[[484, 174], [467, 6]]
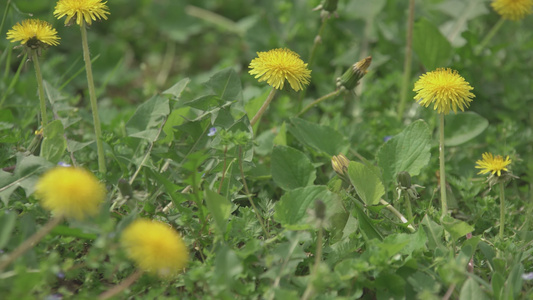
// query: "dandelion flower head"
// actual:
[[493, 164], [514, 10], [155, 247], [81, 10], [71, 192], [445, 89], [33, 33], [277, 65]]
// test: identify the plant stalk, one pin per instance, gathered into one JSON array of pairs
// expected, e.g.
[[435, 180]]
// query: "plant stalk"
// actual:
[[443, 200], [318, 258], [489, 36], [42, 101], [502, 210], [121, 286], [317, 101], [92, 96], [31, 241], [263, 107]]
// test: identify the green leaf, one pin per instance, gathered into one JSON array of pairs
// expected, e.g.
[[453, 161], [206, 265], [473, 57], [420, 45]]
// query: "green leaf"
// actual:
[[366, 183], [365, 224], [291, 168], [7, 223], [220, 209], [177, 88], [74, 232], [226, 84], [322, 138], [54, 143], [433, 231], [291, 209], [462, 127], [147, 118], [456, 227], [25, 176], [471, 290], [408, 151], [281, 137], [432, 48]]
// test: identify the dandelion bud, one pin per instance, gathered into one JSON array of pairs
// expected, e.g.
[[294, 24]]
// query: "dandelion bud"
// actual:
[[320, 210], [330, 5], [340, 166], [404, 180], [351, 77]]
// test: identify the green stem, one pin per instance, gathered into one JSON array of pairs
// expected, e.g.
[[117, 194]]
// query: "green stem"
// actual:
[[443, 199], [35, 59], [264, 107], [397, 214], [318, 258], [8, 5], [267, 236], [407, 60], [312, 57], [502, 210], [407, 200], [121, 286], [92, 96], [31, 241], [489, 36], [317, 101]]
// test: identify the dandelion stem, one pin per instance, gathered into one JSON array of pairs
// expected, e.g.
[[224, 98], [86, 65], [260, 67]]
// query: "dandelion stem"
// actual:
[[264, 107], [317, 41], [442, 173], [397, 214], [267, 236], [317, 101], [31, 241], [318, 258], [407, 60], [502, 209], [35, 59], [407, 200], [121, 286], [92, 96], [489, 36]]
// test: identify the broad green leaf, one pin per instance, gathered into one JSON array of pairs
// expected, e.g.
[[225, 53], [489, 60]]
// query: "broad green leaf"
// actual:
[[408, 151], [220, 209], [54, 143], [365, 224], [366, 183], [147, 118], [513, 284], [322, 138], [456, 227], [7, 223], [74, 232], [462, 127], [227, 266], [497, 283], [292, 209], [291, 168], [178, 88], [471, 290], [74, 146], [433, 231], [432, 48], [176, 118], [281, 137], [226, 84], [25, 176]]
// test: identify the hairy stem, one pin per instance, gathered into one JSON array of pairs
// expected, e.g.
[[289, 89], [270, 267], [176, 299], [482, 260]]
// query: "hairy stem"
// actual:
[[264, 107], [443, 200]]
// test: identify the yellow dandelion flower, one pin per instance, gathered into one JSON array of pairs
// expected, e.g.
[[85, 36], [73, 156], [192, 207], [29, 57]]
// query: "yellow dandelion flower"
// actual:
[[155, 247], [70, 192], [493, 164], [278, 65], [445, 88], [33, 33], [513, 9], [81, 10]]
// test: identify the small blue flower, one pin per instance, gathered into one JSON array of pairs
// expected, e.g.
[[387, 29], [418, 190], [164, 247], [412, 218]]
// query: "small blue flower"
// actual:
[[56, 296], [212, 131], [60, 275], [387, 137], [527, 276], [63, 164]]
